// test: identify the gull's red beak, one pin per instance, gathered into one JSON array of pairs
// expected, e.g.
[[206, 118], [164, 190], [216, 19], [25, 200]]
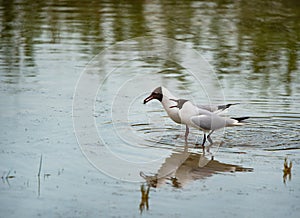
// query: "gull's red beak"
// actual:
[[149, 98]]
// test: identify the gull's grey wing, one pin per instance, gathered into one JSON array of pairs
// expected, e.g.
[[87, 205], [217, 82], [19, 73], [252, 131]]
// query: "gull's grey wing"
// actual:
[[210, 108], [225, 106], [210, 121], [216, 108]]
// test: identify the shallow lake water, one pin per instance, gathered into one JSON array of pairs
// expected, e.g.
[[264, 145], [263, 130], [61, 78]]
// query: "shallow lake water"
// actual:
[[77, 140]]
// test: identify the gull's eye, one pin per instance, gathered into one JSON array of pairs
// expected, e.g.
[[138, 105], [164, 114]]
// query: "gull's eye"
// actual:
[[157, 95]]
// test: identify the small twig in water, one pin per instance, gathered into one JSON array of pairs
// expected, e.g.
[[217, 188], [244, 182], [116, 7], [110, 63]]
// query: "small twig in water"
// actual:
[[40, 167], [39, 174]]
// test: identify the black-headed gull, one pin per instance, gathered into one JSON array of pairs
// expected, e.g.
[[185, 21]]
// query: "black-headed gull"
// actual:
[[204, 120], [164, 95]]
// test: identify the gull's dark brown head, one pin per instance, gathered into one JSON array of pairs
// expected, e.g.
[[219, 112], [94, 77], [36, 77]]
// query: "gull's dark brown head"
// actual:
[[156, 94], [179, 102]]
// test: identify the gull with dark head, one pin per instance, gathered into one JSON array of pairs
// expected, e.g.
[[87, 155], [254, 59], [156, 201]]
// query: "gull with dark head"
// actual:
[[208, 122], [167, 100]]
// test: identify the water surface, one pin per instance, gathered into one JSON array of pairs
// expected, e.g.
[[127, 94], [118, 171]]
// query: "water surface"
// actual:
[[253, 48]]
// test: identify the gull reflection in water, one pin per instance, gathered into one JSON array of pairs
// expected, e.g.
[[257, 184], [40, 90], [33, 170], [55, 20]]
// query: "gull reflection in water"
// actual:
[[182, 168]]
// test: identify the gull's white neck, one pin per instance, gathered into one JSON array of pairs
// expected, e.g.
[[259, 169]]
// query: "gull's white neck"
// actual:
[[167, 103]]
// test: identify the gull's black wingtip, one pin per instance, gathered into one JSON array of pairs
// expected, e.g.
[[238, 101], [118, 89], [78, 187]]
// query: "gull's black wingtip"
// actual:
[[240, 118]]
